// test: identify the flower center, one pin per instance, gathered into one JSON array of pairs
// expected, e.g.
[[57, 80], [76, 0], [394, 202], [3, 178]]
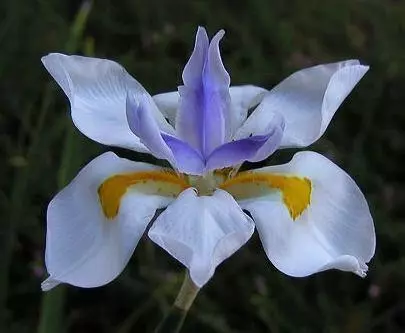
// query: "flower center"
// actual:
[[111, 191], [207, 184], [296, 191]]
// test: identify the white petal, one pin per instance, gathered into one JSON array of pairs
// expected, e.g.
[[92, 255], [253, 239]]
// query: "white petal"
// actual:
[[242, 99], [168, 103], [335, 231], [97, 90], [307, 100], [83, 247], [201, 232]]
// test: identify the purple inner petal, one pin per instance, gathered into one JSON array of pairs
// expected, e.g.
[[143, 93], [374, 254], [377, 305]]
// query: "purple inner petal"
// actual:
[[188, 159], [253, 149], [236, 152], [195, 65], [214, 70], [143, 125], [164, 146], [203, 119], [189, 117]]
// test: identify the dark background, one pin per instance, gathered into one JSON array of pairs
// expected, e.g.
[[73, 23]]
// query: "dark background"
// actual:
[[265, 41]]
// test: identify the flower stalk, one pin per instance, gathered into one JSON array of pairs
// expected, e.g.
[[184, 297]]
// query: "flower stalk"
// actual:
[[173, 321]]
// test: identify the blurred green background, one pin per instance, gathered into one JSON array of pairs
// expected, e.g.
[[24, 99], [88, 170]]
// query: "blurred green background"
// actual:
[[265, 41]]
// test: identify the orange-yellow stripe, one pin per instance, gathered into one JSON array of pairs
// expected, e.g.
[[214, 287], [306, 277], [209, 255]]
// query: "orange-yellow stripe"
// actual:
[[111, 191], [296, 191]]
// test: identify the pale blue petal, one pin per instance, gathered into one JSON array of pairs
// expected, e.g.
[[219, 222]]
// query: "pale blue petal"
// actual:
[[97, 90], [183, 157], [83, 247], [144, 126], [202, 231], [335, 231], [307, 99]]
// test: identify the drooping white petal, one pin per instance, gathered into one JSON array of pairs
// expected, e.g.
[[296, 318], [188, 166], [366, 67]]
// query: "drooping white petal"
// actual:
[[202, 231], [97, 90], [335, 231], [242, 99], [83, 247], [307, 100]]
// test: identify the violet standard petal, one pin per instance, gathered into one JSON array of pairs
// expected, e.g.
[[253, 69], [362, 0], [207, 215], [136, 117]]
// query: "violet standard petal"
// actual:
[[203, 119]]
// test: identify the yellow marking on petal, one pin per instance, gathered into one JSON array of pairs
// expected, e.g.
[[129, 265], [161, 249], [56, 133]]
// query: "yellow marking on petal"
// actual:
[[111, 191], [296, 191]]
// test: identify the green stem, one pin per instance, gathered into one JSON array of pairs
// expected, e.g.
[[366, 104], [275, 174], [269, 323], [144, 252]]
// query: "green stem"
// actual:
[[51, 311], [173, 321]]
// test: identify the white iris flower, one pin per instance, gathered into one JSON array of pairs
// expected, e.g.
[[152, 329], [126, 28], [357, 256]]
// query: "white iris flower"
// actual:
[[310, 215]]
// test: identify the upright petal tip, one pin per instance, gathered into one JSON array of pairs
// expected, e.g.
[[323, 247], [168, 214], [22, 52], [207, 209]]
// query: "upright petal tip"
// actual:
[[215, 72], [201, 39], [201, 31], [219, 34], [193, 69]]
